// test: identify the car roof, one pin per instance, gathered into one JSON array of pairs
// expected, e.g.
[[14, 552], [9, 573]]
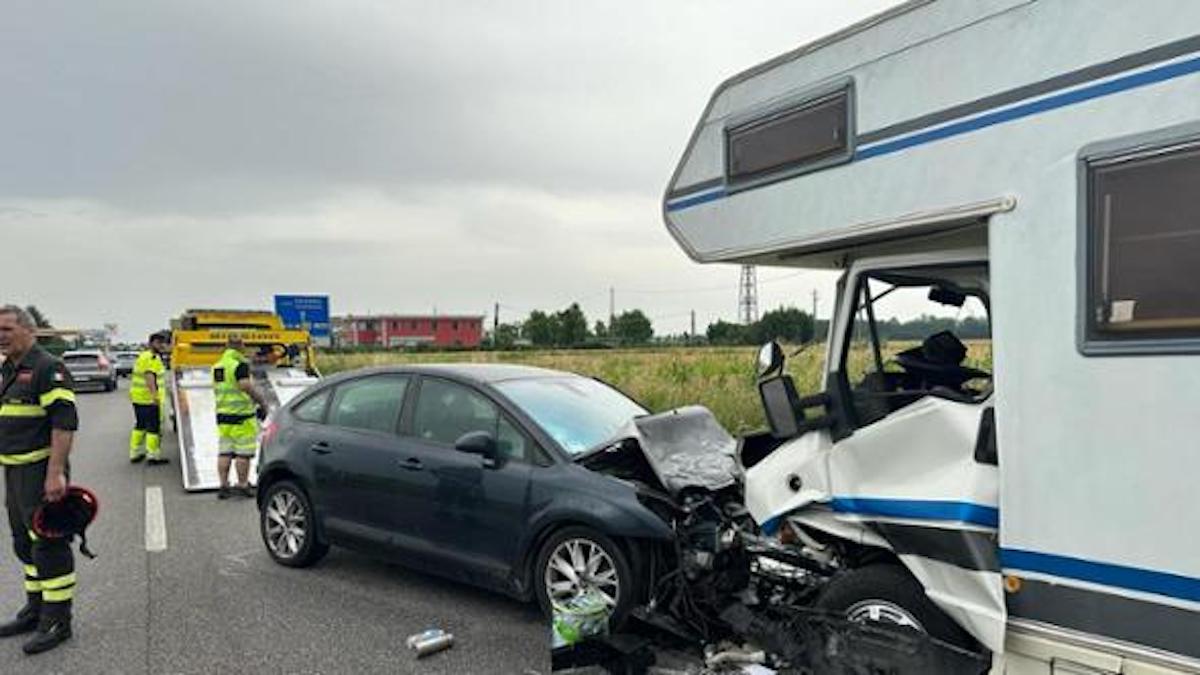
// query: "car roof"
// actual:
[[489, 373]]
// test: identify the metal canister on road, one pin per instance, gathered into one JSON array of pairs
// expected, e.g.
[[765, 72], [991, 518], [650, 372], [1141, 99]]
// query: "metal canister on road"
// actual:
[[429, 642]]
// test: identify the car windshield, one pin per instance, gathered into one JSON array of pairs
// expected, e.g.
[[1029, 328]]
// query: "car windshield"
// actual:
[[578, 412]]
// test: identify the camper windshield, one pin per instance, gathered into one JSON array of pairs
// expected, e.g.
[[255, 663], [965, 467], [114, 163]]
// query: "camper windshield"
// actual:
[[918, 333]]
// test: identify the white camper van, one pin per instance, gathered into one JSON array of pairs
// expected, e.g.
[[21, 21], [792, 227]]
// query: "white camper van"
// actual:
[[1040, 161]]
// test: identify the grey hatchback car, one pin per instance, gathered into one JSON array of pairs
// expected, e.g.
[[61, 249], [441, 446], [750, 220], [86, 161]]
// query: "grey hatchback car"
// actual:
[[91, 368], [467, 471]]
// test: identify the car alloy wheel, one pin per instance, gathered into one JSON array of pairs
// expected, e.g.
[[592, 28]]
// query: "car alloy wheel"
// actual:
[[580, 566], [286, 523]]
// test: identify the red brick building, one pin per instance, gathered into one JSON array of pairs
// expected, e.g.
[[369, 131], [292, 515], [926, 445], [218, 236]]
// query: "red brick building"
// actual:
[[404, 330]]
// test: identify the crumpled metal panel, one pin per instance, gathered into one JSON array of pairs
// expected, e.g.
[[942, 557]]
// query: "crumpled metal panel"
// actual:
[[687, 448]]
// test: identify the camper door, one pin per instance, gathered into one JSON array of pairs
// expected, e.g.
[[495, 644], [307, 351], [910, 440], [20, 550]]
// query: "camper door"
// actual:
[[919, 467]]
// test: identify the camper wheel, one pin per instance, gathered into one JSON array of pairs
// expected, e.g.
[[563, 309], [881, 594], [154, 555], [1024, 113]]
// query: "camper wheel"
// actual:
[[887, 593]]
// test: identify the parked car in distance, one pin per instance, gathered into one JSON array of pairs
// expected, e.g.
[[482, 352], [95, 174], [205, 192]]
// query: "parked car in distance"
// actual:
[[464, 471], [91, 368], [124, 362]]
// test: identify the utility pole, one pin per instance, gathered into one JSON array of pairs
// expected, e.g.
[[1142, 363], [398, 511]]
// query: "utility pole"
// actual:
[[612, 307], [496, 321], [692, 335], [814, 314], [748, 296]]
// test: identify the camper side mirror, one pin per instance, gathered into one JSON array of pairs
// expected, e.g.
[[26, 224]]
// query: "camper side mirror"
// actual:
[[781, 403], [478, 443], [770, 359]]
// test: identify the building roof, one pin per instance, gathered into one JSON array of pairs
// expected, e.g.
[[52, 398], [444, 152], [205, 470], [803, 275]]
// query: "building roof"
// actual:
[[411, 317]]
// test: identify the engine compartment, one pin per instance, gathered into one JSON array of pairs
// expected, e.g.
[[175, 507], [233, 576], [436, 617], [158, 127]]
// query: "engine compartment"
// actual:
[[721, 581]]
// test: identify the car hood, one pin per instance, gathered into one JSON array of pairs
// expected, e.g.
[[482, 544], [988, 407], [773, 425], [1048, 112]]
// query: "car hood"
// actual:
[[683, 448]]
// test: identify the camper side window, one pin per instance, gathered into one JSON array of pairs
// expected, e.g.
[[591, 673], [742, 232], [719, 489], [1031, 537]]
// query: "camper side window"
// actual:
[[1143, 246]]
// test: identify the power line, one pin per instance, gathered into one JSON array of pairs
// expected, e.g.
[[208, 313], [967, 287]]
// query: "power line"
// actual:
[[707, 289]]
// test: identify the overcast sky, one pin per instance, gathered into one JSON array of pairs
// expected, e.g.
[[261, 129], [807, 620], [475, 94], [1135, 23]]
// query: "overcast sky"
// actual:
[[397, 156]]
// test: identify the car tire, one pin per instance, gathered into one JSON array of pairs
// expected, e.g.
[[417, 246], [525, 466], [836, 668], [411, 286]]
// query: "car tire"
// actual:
[[287, 524], [888, 593], [590, 545]]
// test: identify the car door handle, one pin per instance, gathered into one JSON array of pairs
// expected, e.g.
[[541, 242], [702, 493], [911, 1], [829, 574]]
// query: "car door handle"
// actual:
[[411, 464], [321, 448]]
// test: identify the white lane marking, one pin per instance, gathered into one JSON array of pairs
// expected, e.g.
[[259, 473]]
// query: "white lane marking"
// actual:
[[156, 520]]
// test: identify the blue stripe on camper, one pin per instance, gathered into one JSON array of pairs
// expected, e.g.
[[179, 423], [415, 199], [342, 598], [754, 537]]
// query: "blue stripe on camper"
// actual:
[[1081, 95], [964, 512], [1106, 574], [694, 199], [912, 509], [1053, 102]]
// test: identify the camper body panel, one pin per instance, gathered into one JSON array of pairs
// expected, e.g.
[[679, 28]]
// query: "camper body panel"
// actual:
[[987, 113], [910, 77]]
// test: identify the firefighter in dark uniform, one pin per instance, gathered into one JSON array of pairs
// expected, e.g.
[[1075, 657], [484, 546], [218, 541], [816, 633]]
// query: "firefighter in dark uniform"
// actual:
[[37, 424]]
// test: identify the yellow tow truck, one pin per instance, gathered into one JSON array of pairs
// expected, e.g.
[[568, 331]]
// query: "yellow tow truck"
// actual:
[[282, 361]]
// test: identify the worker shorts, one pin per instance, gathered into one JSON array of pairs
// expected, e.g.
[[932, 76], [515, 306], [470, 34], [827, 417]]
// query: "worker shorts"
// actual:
[[238, 440], [147, 417]]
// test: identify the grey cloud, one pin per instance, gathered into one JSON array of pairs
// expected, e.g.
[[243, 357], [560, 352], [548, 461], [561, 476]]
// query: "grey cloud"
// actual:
[[394, 154]]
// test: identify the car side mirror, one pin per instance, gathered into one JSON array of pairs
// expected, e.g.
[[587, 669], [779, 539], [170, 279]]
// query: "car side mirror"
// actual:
[[478, 443]]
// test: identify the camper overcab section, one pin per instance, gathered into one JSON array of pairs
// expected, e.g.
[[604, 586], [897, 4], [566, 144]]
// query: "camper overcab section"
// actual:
[[1036, 165]]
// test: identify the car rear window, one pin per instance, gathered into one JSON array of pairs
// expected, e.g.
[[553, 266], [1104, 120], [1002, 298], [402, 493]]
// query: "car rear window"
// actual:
[[81, 359]]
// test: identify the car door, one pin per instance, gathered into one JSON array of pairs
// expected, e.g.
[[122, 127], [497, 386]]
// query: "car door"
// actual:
[[478, 508], [355, 457]]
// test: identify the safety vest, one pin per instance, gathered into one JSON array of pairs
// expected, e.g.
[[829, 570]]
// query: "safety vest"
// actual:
[[147, 362], [231, 400]]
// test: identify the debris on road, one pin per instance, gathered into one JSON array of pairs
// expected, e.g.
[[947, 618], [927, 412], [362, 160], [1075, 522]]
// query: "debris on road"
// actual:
[[430, 641]]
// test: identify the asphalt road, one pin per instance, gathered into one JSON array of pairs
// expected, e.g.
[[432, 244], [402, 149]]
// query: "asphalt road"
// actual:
[[213, 601]]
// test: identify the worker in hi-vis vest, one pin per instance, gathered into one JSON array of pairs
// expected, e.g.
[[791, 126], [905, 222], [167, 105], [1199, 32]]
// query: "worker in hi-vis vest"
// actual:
[[239, 407], [147, 394]]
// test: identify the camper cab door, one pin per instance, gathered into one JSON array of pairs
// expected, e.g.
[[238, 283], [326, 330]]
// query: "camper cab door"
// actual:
[[918, 466]]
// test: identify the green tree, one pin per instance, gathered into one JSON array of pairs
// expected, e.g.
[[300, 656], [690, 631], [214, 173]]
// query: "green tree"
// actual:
[[54, 344], [786, 324], [572, 326], [600, 330], [725, 333], [541, 328], [632, 327], [506, 335], [38, 318]]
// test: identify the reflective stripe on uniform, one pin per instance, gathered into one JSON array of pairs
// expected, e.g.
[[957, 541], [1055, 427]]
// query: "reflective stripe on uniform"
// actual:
[[21, 410], [33, 535], [58, 589], [58, 583], [57, 394], [32, 583], [58, 596], [32, 457]]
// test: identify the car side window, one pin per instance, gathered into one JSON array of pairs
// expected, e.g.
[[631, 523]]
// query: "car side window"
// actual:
[[370, 403], [511, 441], [312, 409], [445, 411]]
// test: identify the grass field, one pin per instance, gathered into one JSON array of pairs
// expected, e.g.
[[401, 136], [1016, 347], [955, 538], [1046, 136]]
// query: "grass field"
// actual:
[[720, 378]]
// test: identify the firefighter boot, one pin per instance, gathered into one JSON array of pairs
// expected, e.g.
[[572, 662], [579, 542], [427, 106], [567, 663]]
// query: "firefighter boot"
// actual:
[[26, 621], [51, 632]]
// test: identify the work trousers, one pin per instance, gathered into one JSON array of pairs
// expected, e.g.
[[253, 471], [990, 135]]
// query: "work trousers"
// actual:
[[49, 564], [146, 429]]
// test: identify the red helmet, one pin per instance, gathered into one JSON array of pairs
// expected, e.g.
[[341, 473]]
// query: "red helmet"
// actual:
[[68, 517]]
